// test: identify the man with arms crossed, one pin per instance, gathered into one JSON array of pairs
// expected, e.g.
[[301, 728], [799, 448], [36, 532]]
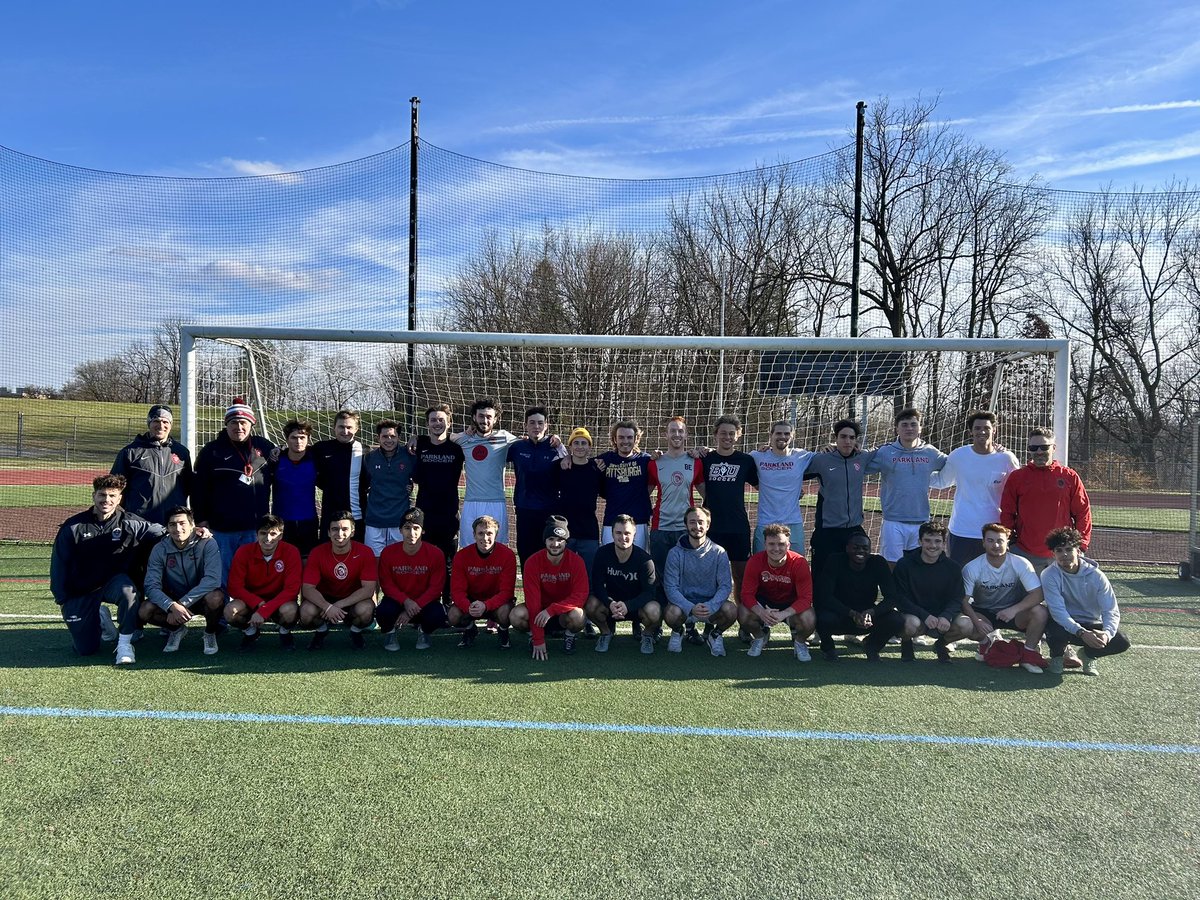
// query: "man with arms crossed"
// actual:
[[905, 467], [623, 587], [1003, 591], [90, 562], [929, 594], [699, 584], [157, 470], [384, 486], [855, 594], [626, 470], [1083, 608], [483, 583], [411, 574], [264, 584], [778, 588], [339, 584], [183, 579], [781, 470], [556, 588]]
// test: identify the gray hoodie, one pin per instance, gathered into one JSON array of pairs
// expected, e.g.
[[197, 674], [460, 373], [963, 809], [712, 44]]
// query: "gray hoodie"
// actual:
[[904, 486], [182, 575], [697, 575], [1084, 598]]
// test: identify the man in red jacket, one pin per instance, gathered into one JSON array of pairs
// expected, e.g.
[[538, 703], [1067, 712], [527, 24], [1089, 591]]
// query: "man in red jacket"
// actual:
[[412, 575], [1040, 497], [483, 582], [556, 588], [264, 583]]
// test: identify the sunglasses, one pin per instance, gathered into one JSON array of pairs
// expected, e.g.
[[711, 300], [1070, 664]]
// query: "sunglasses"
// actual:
[[1037, 448]]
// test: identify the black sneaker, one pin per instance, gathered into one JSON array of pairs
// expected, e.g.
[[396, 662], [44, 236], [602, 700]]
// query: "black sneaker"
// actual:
[[468, 636], [318, 640], [505, 641], [569, 642], [692, 636], [872, 654], [589, 631], [248, 642], [287, 641], [357, 640], [744, 635], [906, 651], [637, 629], [830, 654], [943, 652]]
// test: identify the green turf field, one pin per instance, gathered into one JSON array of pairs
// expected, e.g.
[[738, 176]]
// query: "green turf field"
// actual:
[[806, 801]]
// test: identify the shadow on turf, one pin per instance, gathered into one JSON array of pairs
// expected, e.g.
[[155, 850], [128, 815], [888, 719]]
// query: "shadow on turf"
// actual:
[[47, 647]]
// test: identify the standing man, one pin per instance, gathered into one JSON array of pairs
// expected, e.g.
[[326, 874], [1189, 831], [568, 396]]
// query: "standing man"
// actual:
[[485, 452], [183, 579], [385, 485], [977, 471], [778, 588], [556, 588], [412, 574], [438, 471], [905, 467], [929, 594], [721, 482], [339, 584], [839, 512], [626, 470], [294, 494], [1042, 497], [855, 594], [579, 482], [234, 473], [157, 470], [483, 583], [699, 584], [671, 478], [781, 470], [1003, 591], [339, 468], [1083, 608], [623, 588], [264, 583], [535, 496], [90, 562]]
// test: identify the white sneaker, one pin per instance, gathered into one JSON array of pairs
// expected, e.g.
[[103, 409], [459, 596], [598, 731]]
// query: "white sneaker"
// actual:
[[108, 630], [756, 646], [125, 654], [716, 645], [602, 643], [174, 639], [801, 650], [647, 643], [210, 643], [675, 644], [391, 643]]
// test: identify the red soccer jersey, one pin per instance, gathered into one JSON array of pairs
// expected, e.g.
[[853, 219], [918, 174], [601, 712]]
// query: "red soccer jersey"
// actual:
[[337, 577], [555, 589], [265, 585], [491, 579], [418, 577], [1038, 499], [789, 585]]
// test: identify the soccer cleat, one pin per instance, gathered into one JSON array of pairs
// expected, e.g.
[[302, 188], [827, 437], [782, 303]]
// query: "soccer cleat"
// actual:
[[108, 631], [286, 641], [1056, 665], [602, 643], [391, 641], [756, 647], [907, 652], [1071, 659], [423, 641], [210, 643], [125, 654], [569, 642], [675, 644], [647, 643], [469, 635], [693, 636], [800, 650], [249, 641], [1031, 661], [505, 641], [174, 639], [716, 644], [357, 640], [318, 640], [1089, 666]]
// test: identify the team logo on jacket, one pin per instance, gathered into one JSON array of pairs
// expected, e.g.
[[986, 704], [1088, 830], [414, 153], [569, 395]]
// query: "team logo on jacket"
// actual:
[[170, 562], [340, 572], [279, 565], [1062, 482], [116, 534]]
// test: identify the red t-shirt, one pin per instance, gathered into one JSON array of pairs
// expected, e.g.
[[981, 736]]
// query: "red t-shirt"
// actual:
[[788, 585], [491, 579], [265, 585], [555, 589], [418, 577], [339, 577]]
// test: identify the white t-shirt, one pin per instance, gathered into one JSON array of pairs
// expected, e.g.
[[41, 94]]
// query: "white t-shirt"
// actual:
[[780, 481], [979, 481], [484, 459], [992, 588]]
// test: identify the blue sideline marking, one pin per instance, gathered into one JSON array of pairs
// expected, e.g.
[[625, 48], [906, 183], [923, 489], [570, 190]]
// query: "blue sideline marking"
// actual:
[[611, 728]]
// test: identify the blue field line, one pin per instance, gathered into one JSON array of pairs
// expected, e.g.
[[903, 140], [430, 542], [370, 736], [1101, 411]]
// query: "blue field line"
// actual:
[[591, 727]]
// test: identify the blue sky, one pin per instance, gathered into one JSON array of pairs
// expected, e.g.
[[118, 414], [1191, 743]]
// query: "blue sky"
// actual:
[[1085, 94]]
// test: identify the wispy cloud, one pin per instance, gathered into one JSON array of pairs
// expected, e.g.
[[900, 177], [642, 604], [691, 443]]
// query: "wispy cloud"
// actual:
[[1114, 157], [1141, 107]]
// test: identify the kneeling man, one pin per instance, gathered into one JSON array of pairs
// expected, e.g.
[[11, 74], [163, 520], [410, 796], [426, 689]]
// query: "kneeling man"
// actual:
[[556, 588], [777, 588], [339, 584], [623, 587], [412, 575], [698, 584], [264, 583]]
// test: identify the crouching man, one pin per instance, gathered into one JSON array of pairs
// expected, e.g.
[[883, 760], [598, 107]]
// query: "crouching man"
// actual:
[[1083, 608], [623, 587], [929, 594], [339, 584], [264, 584], [412, 574], [556, 588], [483, 581], [777, 588], [183, 579], [856, 594], [698, 583]]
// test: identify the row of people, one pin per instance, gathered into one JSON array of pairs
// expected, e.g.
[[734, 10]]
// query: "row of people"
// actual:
[[857, 593]]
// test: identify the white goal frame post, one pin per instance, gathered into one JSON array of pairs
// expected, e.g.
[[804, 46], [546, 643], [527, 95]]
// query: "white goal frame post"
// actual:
[[1005, 352]]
